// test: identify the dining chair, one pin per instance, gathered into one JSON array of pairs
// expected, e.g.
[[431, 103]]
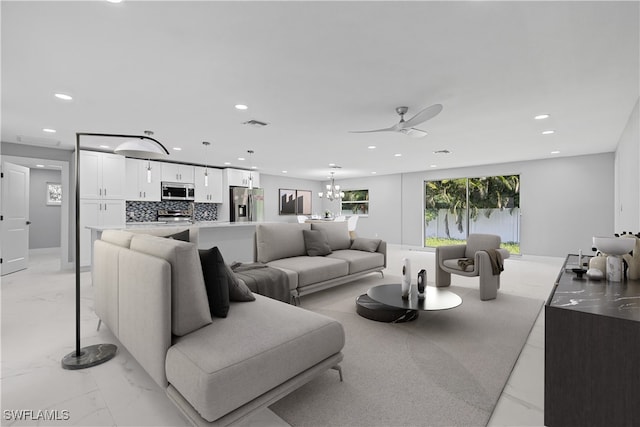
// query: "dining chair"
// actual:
[[351, 225]]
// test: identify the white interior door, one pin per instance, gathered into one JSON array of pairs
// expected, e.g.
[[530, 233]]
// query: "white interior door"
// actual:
[[15, 218]]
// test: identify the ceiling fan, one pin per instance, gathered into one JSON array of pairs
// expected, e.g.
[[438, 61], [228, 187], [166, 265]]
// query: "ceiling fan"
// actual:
[[407, 127]]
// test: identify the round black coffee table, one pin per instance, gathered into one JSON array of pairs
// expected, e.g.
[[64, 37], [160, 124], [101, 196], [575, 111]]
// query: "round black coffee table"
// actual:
[[384, 303]]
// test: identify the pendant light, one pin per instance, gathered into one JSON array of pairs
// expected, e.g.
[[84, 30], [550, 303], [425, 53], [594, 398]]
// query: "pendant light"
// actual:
[[251, 171], [206, 167]]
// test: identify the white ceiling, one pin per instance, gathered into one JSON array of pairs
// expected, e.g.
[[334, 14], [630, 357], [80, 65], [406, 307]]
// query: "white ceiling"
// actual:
[[315, 70]]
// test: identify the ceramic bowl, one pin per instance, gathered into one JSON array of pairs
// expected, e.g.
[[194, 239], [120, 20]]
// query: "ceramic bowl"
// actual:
[[614, 245]]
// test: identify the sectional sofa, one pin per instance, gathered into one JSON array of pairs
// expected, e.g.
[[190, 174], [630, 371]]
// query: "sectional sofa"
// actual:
[[287, 246], [150, 292]]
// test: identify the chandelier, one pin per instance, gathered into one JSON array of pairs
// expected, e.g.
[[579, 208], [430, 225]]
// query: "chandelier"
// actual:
[[333, 191]]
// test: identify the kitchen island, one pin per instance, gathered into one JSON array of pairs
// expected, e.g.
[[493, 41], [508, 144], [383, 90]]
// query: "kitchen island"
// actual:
[[234, 239], [592, 351]]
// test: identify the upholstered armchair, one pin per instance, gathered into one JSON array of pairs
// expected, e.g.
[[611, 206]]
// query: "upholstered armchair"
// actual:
[[471, 260]]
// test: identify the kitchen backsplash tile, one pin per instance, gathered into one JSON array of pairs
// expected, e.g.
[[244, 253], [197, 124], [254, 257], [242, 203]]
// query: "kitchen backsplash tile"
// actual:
[[148, 211]]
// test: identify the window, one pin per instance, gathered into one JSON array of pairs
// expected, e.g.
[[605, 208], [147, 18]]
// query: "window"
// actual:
[[456, 207], [355, 202]]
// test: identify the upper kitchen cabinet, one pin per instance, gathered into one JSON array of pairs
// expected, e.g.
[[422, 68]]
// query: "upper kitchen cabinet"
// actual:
[[143, 180], [174, 172], [102, 175], [209, 186], [241, 178]]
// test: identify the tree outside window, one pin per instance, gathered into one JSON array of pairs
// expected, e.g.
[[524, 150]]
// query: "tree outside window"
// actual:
[[355, 202]]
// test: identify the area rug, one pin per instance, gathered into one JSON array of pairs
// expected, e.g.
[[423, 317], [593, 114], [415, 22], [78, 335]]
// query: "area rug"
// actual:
[[446, 368]]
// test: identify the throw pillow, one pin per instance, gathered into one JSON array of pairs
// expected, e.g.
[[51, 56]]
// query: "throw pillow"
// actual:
[[364, 244], [316, 242], [183, 235], [216, 281], [238, 290]]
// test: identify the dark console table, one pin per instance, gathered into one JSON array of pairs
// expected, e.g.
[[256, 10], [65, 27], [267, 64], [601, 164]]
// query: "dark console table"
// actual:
[[592, 352]]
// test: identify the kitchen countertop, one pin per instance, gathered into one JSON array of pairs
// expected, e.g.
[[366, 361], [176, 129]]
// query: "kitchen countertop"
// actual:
[[159, 224]]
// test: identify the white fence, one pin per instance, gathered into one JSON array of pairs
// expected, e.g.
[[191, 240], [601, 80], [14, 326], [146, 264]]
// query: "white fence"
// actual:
[[504, 223]]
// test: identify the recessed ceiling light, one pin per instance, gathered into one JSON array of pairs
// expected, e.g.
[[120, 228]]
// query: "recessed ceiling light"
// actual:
[[114, 1], [555, 152], [397, 155], [548, 132], [63, 96], [332, 164], [371, 147], [39, 166], [177, 148], [541, 116], [373, 173], [49, 130], [241, 158], [104, 146], [227, 163], [241, 107], [254, 167], [285, 171], [433, 166]]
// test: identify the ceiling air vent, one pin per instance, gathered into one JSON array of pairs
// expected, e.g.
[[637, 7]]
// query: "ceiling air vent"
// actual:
[[442, 152], [38, 140], [255, 123]]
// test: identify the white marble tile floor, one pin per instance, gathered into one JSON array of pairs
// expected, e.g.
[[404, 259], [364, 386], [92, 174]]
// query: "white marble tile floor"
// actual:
[[38, 329]]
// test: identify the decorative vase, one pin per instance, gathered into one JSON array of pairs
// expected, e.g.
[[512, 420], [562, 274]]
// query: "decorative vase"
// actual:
[[406, 278], [422, 283]]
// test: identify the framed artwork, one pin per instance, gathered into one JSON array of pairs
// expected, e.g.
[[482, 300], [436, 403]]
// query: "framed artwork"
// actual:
[[287, 201], [303, 202], [54, 194]]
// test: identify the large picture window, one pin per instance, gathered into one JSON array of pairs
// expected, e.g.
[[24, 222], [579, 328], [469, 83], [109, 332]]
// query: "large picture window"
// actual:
[[456, 207], [355, 202]]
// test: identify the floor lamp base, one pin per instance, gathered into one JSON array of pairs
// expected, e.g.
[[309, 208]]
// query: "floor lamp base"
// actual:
[[89, 356]]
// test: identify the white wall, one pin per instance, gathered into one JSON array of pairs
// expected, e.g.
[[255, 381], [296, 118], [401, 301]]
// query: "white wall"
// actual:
[[564, 202], [385, 203], [44, 231], [627, 177]]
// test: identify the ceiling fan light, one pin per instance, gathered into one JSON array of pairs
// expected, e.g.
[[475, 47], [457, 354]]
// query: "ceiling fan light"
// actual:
[[141, 149]]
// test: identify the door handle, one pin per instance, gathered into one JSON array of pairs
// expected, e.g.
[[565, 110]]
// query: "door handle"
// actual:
[[28, 222]]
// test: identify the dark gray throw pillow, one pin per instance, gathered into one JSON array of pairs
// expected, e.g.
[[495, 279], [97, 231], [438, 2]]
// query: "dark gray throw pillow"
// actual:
[[316, 242], [238, 290], [364, 244], [216, 281], [183, 236]]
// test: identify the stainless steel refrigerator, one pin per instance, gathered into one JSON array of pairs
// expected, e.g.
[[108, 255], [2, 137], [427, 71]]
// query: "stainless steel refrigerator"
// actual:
[[246, 204]]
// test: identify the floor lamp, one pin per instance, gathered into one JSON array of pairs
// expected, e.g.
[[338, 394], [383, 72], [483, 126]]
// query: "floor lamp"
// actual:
[[137, 146]]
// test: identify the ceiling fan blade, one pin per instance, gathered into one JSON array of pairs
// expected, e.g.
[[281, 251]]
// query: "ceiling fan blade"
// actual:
[[413, 132], [423, 116], [391, 129]]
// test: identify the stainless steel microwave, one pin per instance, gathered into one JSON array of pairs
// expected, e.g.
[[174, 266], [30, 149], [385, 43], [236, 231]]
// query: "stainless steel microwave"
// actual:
[[177, 191]]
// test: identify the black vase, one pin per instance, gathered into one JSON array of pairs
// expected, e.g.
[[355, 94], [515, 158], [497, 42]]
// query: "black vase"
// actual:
[[422, 283]]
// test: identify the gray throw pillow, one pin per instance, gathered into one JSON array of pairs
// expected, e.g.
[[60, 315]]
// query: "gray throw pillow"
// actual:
[[364, 244], [183, 235], [238, 290], [316, 242]]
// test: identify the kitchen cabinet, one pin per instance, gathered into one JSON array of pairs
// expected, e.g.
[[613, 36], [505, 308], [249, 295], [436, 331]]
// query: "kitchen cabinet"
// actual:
[[139, 187], [212, 192], [241, 178], [591, 351], [174, 172], [97, 212], [102, 175]]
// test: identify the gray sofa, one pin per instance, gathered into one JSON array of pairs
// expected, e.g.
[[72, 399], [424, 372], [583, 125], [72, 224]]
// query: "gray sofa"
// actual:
[[282, 245], [150, 292]]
